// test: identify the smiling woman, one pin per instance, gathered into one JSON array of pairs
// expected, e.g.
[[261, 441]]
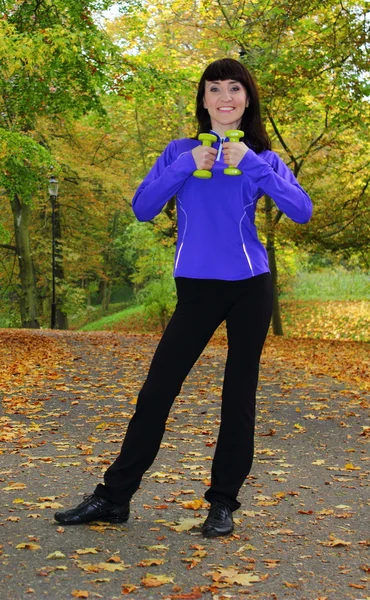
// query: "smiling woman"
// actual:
[[222, 274], [228, 81], [226, 102]]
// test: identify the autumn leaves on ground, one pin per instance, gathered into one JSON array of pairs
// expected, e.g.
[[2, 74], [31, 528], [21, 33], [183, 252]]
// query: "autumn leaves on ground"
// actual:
[[301, 531]]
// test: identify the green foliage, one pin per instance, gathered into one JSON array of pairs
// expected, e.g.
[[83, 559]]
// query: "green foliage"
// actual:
[[24, 165], [146, 252], [54, 59], [152, 263], [159, 299], [9, 313]]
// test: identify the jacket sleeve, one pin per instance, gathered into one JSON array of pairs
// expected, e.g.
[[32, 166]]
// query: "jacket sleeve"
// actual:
[[164, 180], [279, 183]]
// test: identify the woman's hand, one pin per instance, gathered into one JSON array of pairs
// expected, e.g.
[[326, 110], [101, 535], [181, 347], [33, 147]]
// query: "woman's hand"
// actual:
[[204, 157], [234, 152]]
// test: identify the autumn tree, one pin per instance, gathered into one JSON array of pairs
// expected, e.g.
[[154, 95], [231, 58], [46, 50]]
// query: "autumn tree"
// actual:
[[54, 60], [310, 62]]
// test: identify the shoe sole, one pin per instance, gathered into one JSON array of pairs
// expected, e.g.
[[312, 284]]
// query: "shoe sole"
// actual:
[[96, 520], [213, 534]]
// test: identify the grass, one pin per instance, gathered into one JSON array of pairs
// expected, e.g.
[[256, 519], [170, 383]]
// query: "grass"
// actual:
[[330, 284], [330, 304], [110, 321]]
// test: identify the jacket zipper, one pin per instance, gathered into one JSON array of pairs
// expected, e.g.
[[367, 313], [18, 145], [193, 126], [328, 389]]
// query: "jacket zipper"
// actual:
[[220, 149], [222, 139]]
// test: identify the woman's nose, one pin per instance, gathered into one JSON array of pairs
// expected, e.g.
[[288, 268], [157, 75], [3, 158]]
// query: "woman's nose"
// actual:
[[225, 96]]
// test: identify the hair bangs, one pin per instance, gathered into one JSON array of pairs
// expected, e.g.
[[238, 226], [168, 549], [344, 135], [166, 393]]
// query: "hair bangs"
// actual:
[[223, 69], [256, 136]]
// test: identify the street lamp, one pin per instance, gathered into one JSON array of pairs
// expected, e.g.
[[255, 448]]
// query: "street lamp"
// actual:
[[53, 193]]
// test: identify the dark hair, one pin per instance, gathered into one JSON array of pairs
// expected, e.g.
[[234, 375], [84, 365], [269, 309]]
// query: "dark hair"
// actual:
[[256, 136]]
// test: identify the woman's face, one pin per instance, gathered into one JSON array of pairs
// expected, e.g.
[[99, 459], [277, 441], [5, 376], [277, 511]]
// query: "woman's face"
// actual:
[[226, 102]]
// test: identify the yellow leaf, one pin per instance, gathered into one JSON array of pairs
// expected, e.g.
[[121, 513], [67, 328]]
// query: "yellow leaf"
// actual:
[[43, 505], [87, 551], [158, 547], [14, 486], [187, 524], [155, 580], [351, 467], [149, 562], [80, 594], [106, 566], [28, 546], [194, 504], [335, 542], [55, 555], [232, 576]]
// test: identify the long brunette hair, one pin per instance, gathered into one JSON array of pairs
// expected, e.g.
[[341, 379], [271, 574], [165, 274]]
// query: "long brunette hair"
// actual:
[[228, 68]]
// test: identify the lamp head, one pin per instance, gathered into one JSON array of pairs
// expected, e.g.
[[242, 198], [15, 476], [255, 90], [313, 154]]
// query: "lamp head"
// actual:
[[53, 186]]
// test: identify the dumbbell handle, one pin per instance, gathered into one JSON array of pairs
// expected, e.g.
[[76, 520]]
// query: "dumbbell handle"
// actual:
[[207, 139], [234, 135]]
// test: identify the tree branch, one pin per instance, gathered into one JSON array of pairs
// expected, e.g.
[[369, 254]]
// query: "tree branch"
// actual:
[[8, 247]]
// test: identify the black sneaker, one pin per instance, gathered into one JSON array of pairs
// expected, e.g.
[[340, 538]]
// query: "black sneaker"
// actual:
[[94, 508], [219, 521]]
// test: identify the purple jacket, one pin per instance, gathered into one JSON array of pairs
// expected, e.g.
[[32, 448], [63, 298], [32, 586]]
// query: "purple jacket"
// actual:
[[217, 237]]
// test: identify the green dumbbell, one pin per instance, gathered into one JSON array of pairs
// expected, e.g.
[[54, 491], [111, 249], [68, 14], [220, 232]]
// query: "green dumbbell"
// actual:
[[234, 135], [207, 139]]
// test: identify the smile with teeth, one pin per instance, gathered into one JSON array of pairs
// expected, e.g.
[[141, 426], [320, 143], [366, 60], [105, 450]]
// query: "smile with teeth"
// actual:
[[226, 108]]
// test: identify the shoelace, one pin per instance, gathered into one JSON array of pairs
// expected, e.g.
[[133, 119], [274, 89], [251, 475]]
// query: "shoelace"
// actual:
[[86, 499], [217, 511]]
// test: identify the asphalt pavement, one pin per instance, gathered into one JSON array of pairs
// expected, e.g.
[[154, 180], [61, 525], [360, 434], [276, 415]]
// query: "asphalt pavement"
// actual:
[[302, 532]]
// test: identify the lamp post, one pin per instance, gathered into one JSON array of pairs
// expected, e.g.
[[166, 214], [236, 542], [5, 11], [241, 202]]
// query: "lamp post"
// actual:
[[53, 193]]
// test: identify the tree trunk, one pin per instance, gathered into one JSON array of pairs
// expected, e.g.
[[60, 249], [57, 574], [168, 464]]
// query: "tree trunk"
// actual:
[[61, 315], [277, 326], [107, 295], [28, 294]]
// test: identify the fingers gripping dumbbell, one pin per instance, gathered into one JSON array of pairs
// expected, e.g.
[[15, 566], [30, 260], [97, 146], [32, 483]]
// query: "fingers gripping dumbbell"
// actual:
[[234, 135], [207, 139]]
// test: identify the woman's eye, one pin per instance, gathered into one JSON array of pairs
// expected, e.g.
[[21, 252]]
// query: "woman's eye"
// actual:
[[213, 89], [236, 88]]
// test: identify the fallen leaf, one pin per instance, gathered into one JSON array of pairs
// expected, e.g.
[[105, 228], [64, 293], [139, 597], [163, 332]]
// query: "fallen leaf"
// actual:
[[187, 524], [155, 580], [149, 562], [87, 551], [194, 504], [233, 576], [335, 542], [28, 546], [127, 588], [55, 555]]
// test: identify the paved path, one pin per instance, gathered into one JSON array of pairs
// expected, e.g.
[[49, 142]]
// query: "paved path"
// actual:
[[303, 531]]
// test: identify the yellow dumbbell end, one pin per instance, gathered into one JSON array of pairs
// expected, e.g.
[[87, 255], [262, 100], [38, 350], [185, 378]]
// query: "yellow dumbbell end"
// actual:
[[207, 139], [202, 174], [232, 171]]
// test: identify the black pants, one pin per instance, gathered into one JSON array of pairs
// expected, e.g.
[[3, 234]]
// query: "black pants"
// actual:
[[203, 304]]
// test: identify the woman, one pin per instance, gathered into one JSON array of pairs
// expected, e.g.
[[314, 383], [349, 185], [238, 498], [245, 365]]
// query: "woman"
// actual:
[[221, 273]]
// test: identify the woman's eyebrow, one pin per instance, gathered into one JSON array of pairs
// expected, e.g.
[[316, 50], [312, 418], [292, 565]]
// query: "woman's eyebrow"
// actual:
[[217, 81]]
